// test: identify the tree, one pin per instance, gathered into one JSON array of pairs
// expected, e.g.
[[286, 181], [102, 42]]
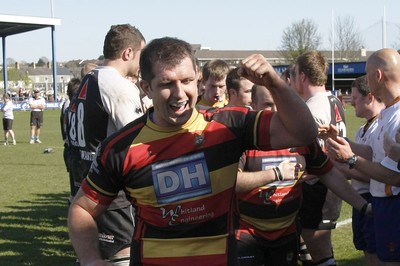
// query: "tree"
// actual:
[[347, 39], [11, 61], [300, 37], [396, 43], [42, 61]]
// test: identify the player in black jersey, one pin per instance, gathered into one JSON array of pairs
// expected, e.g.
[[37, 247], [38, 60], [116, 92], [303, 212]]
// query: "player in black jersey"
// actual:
[[105, 102]]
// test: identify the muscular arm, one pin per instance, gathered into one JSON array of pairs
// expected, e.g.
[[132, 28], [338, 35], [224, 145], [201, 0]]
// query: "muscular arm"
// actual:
[[351, 173], [337, 182], [83, 229], [292, 124], [378, 172], [342, 150]]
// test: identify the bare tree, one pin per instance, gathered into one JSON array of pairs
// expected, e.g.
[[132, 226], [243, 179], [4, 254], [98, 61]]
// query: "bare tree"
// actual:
[[300, 37], [348, 40], [396, 44]]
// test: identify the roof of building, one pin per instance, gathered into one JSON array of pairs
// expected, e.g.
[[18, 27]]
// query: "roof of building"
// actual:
[[10, 24]]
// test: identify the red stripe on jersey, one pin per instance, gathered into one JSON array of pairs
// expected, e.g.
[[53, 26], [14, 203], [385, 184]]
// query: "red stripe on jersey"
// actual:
[[263, 136], [271, 235], [209, 260], [95, 195], [164, 149], [188, 212], [280, 196], [83, 92], [116, 139]]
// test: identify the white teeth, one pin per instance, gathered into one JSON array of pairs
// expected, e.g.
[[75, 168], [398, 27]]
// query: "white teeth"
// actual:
[[218, 98], [178, 105]]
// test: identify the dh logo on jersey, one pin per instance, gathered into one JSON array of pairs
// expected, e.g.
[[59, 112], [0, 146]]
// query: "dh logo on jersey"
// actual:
[[182, 178]]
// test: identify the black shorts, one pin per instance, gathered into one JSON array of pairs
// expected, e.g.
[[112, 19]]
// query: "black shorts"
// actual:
[[7, 123], [253, 250], [320, 208], [115, 230], [78, 170], [116, 225], [37, 118]]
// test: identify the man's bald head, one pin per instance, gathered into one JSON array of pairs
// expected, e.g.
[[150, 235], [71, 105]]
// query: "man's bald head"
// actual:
[[383, 73], [387, 59]]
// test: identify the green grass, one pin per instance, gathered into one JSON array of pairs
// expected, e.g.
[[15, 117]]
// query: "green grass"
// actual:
[[34, 192], [33, 197]]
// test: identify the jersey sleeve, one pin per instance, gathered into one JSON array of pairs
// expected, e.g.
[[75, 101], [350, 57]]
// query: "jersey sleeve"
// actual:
[[99, 186], [317, 162]]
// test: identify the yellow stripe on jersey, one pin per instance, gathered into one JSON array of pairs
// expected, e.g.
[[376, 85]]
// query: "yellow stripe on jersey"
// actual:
[[270, 224], [152, 132], [183, 247], [221, 180]]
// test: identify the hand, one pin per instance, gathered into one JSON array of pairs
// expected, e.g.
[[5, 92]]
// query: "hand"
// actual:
[[289, 170], [328, 131], [258, 70], [338, 149]]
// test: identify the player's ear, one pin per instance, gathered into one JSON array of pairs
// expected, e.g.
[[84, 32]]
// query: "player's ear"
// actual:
[[146, 88], [128, 54]]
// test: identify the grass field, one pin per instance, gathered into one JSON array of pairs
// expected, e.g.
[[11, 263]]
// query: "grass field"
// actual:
[[34, 191]]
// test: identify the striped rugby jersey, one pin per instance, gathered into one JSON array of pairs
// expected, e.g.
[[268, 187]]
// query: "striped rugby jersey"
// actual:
[[270, 211], [182, 182]]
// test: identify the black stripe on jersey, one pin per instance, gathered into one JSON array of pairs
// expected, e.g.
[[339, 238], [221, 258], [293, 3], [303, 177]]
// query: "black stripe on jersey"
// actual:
[[217, 226], [269, 211], [115, 147]]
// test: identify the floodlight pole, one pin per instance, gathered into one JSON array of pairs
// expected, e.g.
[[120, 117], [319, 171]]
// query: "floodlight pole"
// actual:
[[5, 66], [333, 52], [384, 28]]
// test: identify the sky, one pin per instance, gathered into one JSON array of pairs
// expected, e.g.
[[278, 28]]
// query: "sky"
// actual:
[[215, 24]]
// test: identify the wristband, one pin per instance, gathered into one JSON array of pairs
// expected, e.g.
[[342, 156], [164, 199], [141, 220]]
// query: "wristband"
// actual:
[[278, 174]]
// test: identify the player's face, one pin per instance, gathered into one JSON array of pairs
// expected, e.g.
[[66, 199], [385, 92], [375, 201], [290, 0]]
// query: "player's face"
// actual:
[[372, 80], [244, 95], [359, 102], [174, 93], [295, 81], [134, 69], [215, 89], [264, 101]]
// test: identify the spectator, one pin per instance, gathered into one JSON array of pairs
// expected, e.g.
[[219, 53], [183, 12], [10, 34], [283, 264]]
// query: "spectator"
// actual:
[[383, 77], [37, 104], [178, 164], [105, 102], [8, 119]]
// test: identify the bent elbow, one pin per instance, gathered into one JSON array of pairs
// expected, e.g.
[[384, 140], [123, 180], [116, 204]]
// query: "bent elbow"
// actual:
[[309, 134]]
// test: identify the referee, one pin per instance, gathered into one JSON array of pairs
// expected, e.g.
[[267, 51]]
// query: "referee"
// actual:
[[37, 104]]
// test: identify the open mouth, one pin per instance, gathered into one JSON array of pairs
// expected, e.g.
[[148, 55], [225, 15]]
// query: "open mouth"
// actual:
[[180, 106], [218, 98]]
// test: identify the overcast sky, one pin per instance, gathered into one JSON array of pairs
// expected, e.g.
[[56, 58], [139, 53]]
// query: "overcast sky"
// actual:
[[217, 24]]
